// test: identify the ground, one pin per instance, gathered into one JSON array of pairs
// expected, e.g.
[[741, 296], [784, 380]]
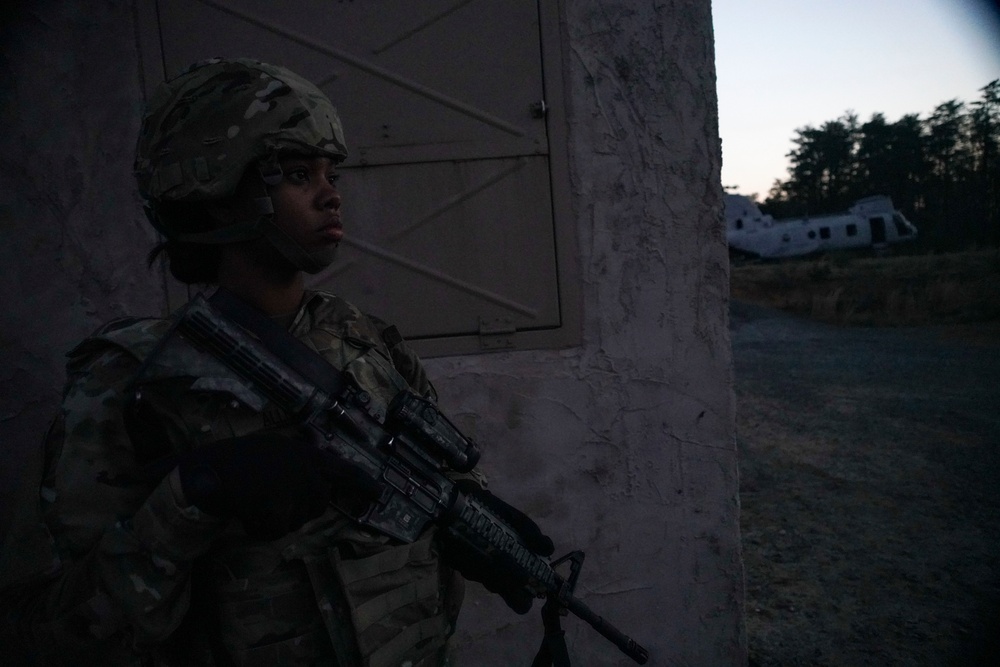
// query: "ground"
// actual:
[[869, 490]]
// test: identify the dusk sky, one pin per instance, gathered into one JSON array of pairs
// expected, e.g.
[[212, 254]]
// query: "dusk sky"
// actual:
[[785, 64]]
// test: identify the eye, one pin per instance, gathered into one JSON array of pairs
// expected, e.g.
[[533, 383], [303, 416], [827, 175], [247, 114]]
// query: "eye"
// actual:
[[297, 175], [333, 178]]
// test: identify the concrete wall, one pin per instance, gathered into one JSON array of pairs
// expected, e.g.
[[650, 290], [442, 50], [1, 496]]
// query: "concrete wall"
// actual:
[[623, 447], [72, 236]]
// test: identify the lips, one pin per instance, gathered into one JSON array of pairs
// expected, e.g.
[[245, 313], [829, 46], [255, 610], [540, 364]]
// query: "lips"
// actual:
[[333, 231]]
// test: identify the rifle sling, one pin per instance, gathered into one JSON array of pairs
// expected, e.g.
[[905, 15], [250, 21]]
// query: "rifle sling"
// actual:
[[298, 356]]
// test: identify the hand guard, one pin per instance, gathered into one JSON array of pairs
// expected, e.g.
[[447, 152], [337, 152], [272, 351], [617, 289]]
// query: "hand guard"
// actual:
[[475, 566], [272, 483]]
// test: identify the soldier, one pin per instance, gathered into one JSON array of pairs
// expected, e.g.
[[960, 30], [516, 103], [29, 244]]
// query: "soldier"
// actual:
[[191, 524]]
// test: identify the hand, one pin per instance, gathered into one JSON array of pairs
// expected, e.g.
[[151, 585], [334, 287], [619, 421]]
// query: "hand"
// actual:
[[272, 483], [476, 567]]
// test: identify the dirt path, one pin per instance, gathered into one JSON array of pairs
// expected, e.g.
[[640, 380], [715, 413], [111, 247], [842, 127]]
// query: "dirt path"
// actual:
[[870, 488]]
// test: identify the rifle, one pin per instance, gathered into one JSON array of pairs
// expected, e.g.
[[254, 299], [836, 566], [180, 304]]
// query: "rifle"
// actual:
[[405, 452]]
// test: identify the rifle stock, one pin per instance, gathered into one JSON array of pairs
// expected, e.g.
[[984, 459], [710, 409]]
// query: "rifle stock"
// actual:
[[406, 453]]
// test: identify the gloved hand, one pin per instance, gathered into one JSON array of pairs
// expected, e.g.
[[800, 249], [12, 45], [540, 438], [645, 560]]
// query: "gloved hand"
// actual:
[[272, 483], [474, 566]]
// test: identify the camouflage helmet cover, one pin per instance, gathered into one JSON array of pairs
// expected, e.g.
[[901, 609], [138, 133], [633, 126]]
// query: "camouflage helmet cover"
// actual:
[[204, 128]]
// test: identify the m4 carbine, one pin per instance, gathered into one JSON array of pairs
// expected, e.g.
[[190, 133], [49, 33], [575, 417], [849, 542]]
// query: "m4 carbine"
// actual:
[[405, 452]]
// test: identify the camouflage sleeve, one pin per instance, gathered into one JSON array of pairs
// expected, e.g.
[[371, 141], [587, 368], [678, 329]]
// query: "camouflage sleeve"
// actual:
[[405, 359], [126, 542]]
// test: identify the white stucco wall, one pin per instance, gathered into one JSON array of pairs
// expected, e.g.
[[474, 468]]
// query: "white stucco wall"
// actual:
[[623, 447]]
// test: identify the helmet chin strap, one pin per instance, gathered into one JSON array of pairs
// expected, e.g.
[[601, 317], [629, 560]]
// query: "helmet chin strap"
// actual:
[[261, 225], [287, 247], [310, 262]]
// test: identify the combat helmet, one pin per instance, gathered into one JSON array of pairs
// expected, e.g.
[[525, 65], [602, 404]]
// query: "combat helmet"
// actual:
[[203, 129]]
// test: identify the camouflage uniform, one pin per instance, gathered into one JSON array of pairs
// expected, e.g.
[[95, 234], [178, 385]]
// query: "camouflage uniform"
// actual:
[[145, 579], [133, 574]]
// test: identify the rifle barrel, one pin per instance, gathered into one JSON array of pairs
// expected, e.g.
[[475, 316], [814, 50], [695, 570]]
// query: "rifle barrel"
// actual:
[[625, 644]]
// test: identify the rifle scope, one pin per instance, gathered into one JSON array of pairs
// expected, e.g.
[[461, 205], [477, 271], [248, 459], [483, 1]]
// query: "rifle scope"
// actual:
[[411, 415]]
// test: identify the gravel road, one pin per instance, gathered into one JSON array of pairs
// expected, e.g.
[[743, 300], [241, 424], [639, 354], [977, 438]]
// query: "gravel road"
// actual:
[[870, 490]]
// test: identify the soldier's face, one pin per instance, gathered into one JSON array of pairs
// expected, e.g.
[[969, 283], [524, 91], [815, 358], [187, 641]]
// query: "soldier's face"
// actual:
[[307, 203]]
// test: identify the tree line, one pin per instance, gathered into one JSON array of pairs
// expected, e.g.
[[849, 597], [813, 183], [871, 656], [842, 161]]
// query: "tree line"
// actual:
[[942, 171]]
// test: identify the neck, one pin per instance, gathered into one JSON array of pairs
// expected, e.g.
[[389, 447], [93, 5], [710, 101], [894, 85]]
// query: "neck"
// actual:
[[272, 288]]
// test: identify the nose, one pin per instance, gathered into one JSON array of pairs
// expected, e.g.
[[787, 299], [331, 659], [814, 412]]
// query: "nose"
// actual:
[[330, 197]]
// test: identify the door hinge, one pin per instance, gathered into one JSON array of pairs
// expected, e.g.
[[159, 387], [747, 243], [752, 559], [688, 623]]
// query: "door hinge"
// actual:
[[496, 333]]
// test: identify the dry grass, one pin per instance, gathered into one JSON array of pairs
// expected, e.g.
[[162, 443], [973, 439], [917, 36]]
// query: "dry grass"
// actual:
[[886, 291]]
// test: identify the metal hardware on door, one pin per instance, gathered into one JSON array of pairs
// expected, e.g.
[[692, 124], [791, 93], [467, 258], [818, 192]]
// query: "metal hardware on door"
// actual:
[[497, 333]]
